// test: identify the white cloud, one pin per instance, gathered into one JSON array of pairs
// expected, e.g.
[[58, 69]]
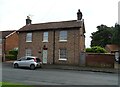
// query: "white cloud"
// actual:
[[95, 12]]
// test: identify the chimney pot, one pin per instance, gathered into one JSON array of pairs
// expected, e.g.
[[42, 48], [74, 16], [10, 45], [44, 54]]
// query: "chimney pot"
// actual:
[[28, 20], [79, 15]]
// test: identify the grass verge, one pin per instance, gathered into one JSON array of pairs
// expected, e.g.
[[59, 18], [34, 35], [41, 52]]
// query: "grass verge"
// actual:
[[8, 84]]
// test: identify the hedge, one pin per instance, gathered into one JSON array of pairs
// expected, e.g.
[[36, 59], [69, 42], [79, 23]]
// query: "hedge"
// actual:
[[96, 49], [10, 57], [13, 52]]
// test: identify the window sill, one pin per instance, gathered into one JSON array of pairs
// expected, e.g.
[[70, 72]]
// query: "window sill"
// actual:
[[62, 40], [45, 41], [28, 41], [63, 59]]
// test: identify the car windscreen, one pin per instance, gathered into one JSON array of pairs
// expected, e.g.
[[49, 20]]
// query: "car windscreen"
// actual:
[[29, 58]]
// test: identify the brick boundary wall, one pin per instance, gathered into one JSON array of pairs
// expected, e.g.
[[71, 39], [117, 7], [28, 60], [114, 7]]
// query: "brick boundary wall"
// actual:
[[100, 60]]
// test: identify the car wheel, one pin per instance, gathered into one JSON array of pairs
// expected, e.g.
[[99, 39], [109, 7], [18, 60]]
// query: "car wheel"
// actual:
[[15, 65], [32, 67]]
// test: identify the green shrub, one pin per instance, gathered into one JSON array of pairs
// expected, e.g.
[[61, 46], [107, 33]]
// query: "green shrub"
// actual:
[[88, 50], [96, 49], [13, 52], [10, 57]]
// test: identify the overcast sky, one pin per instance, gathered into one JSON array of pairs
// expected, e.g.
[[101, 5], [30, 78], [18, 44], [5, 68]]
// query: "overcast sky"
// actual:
[[95, 12]]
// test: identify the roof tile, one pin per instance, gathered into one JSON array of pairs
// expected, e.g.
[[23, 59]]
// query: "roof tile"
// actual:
[[51, 25]]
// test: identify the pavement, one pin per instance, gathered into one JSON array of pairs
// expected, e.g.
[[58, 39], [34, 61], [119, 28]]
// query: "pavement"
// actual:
[[78, 68], [81, 68]]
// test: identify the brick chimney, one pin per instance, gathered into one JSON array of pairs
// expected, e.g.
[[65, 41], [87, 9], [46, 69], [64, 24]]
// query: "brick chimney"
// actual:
[[28, 20], [79, 15]]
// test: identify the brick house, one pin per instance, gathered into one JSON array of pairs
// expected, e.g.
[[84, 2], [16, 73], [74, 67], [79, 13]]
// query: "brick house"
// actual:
[[8, 41], [53, 42]]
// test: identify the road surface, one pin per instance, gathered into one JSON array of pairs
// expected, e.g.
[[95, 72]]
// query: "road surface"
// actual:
[[56, 77]]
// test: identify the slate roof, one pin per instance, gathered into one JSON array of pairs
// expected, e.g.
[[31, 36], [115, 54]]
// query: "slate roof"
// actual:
[[52, 25], [5, 33]]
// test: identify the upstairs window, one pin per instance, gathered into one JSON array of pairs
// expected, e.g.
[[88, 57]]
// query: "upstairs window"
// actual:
[[45, 37], [29, 37], [63, 36]]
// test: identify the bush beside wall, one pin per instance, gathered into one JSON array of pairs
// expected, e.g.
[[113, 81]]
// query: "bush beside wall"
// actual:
[[96, 49], [13, 52], [10, 57]]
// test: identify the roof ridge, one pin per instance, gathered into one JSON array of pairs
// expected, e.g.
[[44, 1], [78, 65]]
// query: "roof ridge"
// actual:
[[52, 25], [54, 22], [10, 34]]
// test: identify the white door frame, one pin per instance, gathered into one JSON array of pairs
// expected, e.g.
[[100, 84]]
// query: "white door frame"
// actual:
[[44, 56]]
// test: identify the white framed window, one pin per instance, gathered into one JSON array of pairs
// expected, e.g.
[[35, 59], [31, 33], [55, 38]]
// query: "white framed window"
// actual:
[[45, 37], [63, 54], [28, 52], [29, 37], [63, 36]]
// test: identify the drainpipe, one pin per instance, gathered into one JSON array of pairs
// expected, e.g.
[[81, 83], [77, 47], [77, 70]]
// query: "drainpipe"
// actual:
[[53, 46], [119, 57], [4, 46]]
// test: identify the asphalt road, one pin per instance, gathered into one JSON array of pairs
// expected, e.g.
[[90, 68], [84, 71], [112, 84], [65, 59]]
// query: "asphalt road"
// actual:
[[56, 77]]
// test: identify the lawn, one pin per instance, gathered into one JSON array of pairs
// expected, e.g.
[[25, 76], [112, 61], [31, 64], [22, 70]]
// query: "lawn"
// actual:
[[8, 84]]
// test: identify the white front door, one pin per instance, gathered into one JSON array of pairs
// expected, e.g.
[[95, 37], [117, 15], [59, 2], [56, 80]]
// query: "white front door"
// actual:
[[45, 56]]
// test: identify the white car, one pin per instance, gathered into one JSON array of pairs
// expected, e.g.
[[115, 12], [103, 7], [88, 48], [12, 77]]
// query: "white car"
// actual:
[[28, 61]]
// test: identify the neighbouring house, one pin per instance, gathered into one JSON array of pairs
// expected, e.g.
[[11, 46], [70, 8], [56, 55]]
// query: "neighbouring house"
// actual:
[[8, 41], [53, 42], [115, 50], [112, 48]]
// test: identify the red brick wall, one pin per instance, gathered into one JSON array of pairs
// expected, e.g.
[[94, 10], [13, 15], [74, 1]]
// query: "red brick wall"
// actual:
[[73, 46], [100, 60], [11, 42]]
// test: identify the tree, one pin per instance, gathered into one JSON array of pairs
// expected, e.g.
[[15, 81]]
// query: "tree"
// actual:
[[102, 36], [116, 35]]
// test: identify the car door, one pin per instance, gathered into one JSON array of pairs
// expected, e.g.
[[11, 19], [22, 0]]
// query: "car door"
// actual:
[[28, 61], [22, 61]]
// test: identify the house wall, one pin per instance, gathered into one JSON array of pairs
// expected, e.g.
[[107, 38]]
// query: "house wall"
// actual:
[[36, 45], [11, 42], [72, 45], [82, 40], [100, 60]]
